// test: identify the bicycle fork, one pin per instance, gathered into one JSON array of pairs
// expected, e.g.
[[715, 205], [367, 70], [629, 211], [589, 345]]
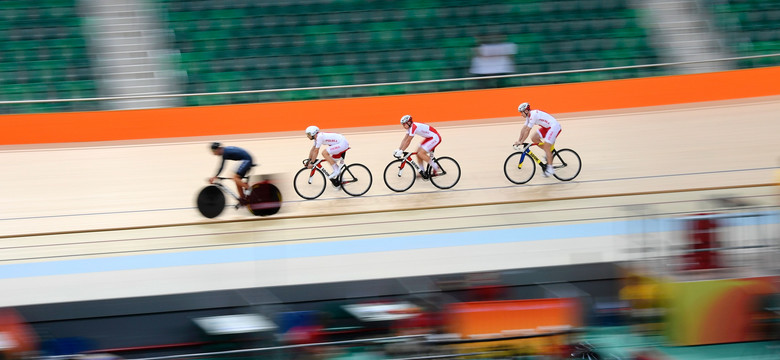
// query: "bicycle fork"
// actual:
[[314, 171], [531, 155], [406, 161]]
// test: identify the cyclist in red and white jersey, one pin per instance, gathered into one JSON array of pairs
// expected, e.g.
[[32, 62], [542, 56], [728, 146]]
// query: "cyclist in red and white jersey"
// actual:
[[337, 145], [431, 140], [548, 131]]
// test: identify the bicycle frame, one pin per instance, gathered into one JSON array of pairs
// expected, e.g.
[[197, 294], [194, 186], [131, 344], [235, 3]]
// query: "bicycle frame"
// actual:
[[408, 159], [533, 156], [318, 167], [225, 188]]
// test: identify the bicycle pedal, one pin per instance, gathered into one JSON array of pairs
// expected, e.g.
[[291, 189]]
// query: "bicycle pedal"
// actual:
[[335, 182]]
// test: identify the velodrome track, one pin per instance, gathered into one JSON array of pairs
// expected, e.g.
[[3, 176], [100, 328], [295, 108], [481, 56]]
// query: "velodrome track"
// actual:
[[117, 219]]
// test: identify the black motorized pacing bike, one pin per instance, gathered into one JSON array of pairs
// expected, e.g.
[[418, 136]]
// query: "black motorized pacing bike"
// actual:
[[355, 179], [262, 199], [401, 173], [519, 166]]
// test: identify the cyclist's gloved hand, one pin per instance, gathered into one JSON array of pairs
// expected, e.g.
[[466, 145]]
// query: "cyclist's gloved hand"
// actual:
[[398, 153]]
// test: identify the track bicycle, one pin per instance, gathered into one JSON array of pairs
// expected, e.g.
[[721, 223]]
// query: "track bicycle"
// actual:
[[519, 168], [401, 173], [262, 198], [355, 179]]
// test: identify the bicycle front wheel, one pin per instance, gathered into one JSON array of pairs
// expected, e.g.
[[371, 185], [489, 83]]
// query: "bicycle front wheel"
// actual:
[[448, 174], [211, 201], [519, 169], [356, 179], [399, 175], [567, 164], [309, 183]]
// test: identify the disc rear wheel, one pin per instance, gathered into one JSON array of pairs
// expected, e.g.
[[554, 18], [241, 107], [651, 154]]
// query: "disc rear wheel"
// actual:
[[265, 199]]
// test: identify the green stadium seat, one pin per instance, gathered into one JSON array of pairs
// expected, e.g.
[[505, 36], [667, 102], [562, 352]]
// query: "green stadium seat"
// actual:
[[44, 55], [351, 41]]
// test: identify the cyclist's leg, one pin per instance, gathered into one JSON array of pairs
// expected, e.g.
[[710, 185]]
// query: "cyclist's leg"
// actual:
[[422, 158], [238, 177], [333, 154], [426, 148], [328, 157], [548, 136], [549, 140]]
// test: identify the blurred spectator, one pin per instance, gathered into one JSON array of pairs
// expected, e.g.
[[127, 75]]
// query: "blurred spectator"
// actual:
[[301, 328], [643, 296], [494, 56]]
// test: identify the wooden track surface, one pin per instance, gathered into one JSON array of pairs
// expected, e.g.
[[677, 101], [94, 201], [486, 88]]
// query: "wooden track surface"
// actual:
[[102, 200], [115, 185]]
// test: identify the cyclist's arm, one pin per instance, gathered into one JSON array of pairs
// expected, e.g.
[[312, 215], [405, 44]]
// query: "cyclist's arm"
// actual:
[[523, 135], [221, 166], [405, 142], [313, 154]]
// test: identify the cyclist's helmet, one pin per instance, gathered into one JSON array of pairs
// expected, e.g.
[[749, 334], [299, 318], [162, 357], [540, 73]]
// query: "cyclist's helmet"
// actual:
[[215, 145], [312, 130], [406, 118], [523, 107]]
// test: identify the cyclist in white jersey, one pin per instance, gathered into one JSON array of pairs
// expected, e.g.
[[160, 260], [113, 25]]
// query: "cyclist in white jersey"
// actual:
[[337, 145], [548, 131], [431, 140]]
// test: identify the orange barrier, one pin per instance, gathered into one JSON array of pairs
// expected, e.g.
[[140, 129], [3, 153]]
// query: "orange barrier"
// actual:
[[510, 318], [384, 110]]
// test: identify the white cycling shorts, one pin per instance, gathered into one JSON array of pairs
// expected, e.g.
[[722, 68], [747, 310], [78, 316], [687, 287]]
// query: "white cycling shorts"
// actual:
[[549, 134]]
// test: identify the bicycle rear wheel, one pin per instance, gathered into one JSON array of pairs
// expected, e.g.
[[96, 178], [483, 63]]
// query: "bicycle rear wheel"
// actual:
[[211, 201], [309, 183], [519, 169], [448, 174], [264, 199], [356, 179], [399, 175], [567, 164]]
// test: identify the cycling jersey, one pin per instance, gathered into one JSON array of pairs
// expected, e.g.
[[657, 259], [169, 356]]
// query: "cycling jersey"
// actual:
[[549, 126], [541, 118], [236, 154], [337, 143], [432, 137]]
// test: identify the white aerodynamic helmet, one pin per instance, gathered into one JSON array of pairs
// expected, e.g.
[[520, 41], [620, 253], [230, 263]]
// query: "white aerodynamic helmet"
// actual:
[[523, 106], [312, 130], [406, 118]]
